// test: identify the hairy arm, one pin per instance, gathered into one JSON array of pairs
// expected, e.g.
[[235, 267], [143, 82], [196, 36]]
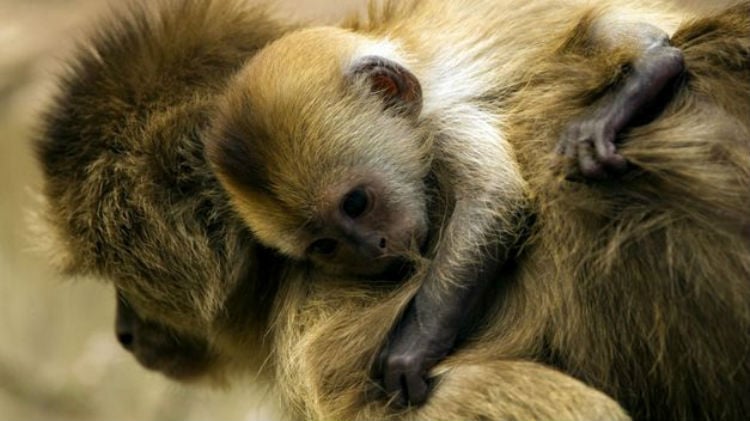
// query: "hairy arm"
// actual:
[[477, 171]]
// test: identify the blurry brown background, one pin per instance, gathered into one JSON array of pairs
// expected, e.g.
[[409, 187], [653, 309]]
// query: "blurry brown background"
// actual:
[[58, 355]]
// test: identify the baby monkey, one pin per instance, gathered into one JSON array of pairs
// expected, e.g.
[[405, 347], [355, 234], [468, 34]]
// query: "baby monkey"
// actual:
[[353, 148]]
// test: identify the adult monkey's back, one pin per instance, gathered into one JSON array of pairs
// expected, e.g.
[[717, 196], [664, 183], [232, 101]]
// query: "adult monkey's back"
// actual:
[[647, 278], [639, 286]]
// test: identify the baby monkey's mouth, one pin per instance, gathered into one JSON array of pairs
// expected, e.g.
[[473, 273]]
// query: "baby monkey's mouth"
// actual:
[[403, 264], [398, 269], [391, 268]]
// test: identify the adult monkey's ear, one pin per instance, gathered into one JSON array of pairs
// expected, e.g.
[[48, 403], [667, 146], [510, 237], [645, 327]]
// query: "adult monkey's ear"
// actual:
[[395, 84]]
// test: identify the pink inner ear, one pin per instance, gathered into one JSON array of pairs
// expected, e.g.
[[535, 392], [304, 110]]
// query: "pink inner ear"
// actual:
[[384, 85], [398, 87]]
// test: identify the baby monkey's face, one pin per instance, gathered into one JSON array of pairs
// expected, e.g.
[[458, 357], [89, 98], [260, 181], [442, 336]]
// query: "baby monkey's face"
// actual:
[[361, 227], [320, 146]]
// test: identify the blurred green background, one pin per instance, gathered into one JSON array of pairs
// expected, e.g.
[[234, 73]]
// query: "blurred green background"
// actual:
[[58, 355]]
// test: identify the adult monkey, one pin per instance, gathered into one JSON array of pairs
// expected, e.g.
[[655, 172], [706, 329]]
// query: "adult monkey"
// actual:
[[130, 197], [308, 322]]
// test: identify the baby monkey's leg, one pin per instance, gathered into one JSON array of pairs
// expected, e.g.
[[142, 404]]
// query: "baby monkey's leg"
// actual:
[[590, 139]]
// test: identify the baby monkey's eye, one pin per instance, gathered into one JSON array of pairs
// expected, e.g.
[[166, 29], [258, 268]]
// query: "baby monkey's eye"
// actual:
[[355, 203], [324, 246]]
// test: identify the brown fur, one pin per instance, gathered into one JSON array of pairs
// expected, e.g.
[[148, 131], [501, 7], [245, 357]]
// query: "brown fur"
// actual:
[[323, 364], [636, 287], [659, 262], [129, 195]]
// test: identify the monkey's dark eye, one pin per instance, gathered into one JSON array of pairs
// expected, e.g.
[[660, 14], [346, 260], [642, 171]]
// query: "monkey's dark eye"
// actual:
[[355, 203], [324, 246]]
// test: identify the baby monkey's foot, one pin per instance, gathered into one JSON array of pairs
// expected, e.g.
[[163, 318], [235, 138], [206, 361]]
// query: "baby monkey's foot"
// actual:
[[415, 346], [590, 138]]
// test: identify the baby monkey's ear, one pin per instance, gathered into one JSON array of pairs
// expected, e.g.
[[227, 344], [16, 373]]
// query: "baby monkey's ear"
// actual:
[[394, 83]]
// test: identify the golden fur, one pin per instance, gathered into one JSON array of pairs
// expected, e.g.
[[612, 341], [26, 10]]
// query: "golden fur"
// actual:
[[636, 287]]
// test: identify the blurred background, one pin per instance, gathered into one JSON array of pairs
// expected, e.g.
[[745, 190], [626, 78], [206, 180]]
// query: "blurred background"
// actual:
[[58, 355]]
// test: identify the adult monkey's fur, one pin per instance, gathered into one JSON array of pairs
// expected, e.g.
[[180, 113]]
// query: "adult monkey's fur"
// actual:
[[639, 287], [130, 197]]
